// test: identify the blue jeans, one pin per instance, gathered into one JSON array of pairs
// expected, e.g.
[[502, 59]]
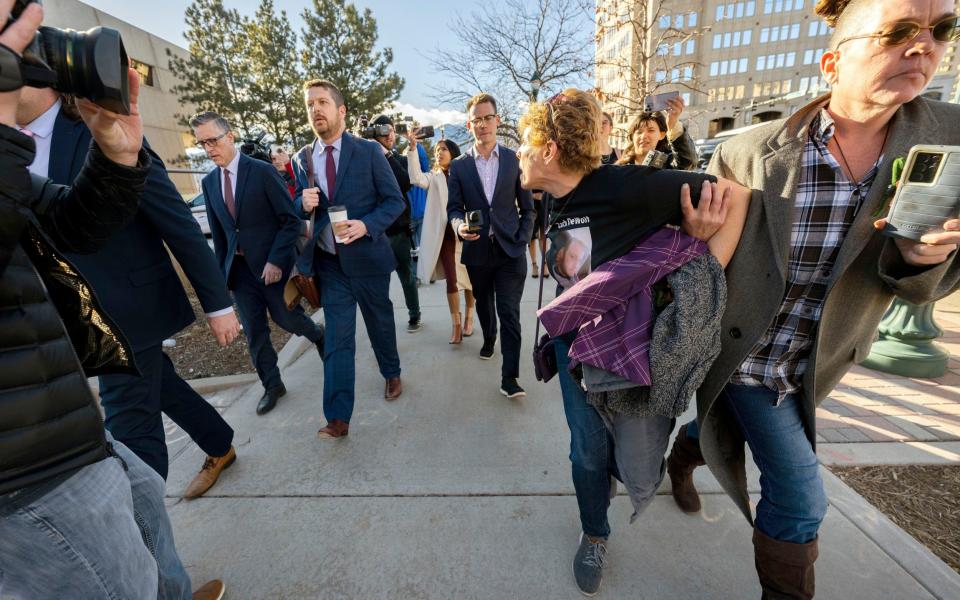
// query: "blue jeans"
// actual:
[[591, 451], [792, 500], [102, 533]]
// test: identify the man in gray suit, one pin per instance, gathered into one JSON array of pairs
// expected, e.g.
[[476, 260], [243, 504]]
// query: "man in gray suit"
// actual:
[[487, 179], [812, 276]]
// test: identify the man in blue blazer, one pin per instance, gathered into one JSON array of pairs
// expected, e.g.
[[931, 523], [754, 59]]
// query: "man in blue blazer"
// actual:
[[254, 229], [354, 266], [487, 179], [135, 280]]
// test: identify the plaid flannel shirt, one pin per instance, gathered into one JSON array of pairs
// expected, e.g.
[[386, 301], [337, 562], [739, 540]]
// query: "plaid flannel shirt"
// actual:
[[825, 206]]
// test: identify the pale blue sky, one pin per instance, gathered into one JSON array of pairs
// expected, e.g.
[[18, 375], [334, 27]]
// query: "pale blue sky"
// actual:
[[409, 28]]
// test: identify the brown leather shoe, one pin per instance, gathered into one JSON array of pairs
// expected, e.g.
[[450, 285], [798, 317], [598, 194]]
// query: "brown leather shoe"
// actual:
[[211, 590], [334, 429], [393, 388], [209, 473], [684, 457]]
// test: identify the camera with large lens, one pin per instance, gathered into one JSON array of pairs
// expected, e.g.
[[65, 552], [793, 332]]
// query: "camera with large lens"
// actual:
[[255, 148], [368, 131], [91, 64]]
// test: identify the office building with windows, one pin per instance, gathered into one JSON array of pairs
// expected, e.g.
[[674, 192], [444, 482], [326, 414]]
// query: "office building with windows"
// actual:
[[735, 63], [158, 104]]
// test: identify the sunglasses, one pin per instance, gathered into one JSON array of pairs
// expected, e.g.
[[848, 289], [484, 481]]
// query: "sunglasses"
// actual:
[[945, 30]]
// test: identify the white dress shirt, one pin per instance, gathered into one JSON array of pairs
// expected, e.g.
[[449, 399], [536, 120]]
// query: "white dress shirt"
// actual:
[[41, 129]]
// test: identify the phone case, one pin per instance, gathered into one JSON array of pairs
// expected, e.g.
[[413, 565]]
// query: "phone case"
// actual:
[[928, 193]]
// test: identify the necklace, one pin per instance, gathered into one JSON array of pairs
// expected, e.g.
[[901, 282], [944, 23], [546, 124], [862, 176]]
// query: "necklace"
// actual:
[[570, 196], [836, 137]]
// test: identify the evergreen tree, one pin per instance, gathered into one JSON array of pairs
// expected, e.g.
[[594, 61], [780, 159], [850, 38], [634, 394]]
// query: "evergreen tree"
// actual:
[[216, 76], [339, 46], [276, 77]]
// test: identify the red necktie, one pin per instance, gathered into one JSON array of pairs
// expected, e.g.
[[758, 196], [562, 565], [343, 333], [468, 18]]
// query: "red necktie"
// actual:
[[228, 195], [331, 169]]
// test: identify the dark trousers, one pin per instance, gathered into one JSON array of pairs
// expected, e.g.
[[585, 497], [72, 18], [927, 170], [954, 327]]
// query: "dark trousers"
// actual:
[[498, 284], [341, 295], [254, 299], [132, 407], [402, 243]]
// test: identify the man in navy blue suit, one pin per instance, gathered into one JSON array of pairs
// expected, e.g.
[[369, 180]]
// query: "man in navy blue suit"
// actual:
[[354, 265], [254, 229], [487, 178], [135, 280]]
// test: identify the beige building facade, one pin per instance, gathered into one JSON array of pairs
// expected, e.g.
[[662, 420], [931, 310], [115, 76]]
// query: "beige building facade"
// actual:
[[736, 63], [158, 105]]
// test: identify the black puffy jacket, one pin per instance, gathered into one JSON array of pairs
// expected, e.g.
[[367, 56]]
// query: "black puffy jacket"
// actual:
[[53, 333]]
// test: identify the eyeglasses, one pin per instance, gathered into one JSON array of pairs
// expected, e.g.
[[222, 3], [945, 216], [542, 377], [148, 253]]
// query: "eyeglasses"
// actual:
[[477, 122], [211, 142], [943, 31], [551, 123]]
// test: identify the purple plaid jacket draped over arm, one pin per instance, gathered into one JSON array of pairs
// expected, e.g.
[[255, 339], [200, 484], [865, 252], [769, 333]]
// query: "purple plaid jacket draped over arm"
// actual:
[[612, 308]]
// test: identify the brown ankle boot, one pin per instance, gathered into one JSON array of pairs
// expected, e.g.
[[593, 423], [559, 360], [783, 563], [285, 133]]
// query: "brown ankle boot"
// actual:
[[785, 569], [684, 457]]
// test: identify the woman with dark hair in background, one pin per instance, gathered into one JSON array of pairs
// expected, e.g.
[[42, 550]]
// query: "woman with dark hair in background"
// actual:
[[661, 131], [439, 246]]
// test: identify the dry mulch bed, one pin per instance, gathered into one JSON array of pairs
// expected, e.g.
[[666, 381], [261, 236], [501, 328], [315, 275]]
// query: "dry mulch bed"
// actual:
[[197, 353], [923, 500]]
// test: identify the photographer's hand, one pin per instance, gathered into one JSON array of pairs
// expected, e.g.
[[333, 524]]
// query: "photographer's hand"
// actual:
[[932, 249], [119, 136], [465, 234], [17, 37]]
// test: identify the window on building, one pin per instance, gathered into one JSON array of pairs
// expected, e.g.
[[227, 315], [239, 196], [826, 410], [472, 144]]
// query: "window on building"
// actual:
[[743, 65], [812, 29], [785, 86], [746, 37], [660, 76], [751, 8], [795, 31], [727, 40], [764, 35], [714, 69], [740, 10], [719, 16], [791, 59], [767, 7], [663, 50], [686, 98], [145, 72], [691, 46], [736, 38], [781, 60], [665, 22], [804, 85], [797, 4], [677, 49], [692, 20], [740, 91], [712, 95], [687, 73], [717, 41], [730, 9], [761, 63], [724, 67], [675, 75], [778, 6], [808, 57], [678, 21]]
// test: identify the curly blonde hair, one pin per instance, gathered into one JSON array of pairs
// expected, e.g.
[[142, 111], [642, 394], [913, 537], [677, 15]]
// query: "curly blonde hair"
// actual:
[[571, 119]]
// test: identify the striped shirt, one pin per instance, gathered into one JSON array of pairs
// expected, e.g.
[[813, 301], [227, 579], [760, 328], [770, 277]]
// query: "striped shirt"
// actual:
[[825, 206]]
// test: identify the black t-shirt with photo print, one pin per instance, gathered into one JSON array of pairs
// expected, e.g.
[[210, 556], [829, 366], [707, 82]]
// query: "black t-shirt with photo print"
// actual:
[[609, 212]]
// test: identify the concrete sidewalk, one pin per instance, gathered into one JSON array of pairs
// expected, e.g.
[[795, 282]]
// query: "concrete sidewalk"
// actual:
[[453, 491]]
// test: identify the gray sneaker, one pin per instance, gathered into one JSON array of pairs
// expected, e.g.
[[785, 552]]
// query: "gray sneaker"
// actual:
[[588, 564]]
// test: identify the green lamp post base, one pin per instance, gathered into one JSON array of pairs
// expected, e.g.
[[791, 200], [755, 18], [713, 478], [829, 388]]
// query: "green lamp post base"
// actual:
[[906, 344]]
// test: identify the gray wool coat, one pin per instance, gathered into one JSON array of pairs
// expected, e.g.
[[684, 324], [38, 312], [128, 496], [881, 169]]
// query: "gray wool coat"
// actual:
[[868, 273]]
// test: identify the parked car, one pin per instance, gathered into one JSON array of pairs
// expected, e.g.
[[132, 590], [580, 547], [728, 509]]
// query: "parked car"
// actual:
[[198, 206], [706, 147]]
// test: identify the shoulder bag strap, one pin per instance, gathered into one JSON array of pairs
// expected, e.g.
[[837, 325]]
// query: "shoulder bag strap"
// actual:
[[543, 260]]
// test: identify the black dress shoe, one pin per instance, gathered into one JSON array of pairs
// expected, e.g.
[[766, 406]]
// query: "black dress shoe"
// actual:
[[269, 399]]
